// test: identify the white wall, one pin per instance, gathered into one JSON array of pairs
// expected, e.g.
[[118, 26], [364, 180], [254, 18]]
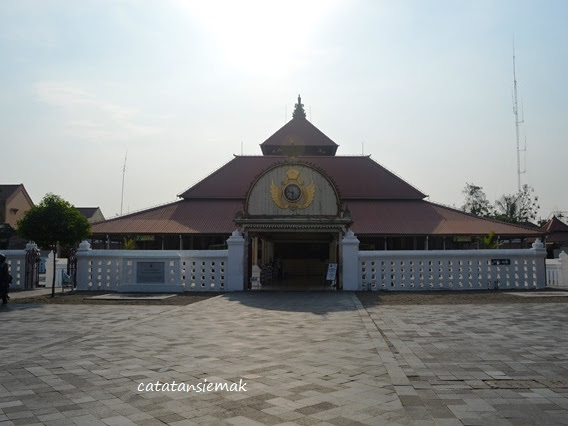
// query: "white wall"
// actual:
[[131, 270], [16, 260], [452, 270]]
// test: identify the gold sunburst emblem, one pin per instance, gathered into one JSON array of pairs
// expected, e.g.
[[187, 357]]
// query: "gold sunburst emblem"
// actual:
[[293, 193]]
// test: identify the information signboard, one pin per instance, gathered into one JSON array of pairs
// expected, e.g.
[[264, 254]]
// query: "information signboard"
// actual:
[[150, 272], [331, 271]]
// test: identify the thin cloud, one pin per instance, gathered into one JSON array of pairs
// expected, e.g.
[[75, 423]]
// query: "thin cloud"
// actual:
[[69, 96], [92, 117]]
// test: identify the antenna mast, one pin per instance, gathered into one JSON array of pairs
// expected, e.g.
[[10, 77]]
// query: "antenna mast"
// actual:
[[123, 173], [518, 122]]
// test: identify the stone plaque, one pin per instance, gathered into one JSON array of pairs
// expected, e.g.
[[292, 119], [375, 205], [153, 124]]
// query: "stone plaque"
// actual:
[[150, 272]]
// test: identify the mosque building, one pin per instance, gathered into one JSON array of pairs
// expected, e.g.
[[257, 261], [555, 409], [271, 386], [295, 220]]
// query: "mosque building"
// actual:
[[294, 203]]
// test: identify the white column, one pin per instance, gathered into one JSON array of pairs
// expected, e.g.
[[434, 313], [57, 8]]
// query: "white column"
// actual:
[[83, 266], [236, 262], [540, 254], [564, 265], [350, 261], [49, 270]]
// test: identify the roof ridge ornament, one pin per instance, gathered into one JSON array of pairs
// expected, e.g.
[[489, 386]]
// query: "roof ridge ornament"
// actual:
[[299, 109]]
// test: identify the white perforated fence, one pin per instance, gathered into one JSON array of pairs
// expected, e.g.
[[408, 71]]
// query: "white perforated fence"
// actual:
[[205, 273], [557, 271], [103, 273], [152, 271], [554, 276], [452, 270], [16, 260]]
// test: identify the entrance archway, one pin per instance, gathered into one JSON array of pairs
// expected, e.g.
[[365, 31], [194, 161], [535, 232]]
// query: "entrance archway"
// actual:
[[291, 261], [292, 220]]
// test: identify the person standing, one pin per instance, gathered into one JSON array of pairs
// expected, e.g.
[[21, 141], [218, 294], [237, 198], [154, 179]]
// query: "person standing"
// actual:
[[4, 279]]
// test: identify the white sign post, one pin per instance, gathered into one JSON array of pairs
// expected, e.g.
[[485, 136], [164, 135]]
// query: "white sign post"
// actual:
[[331, 273]]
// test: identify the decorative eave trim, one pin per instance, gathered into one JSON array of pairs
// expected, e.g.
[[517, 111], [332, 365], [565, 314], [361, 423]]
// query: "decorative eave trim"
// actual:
[[290, 226]]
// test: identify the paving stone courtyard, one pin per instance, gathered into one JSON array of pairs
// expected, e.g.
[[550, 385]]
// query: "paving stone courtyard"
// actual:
[[306, 359]]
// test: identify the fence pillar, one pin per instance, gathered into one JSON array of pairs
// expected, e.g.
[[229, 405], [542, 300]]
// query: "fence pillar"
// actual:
[[83, 266], [49, 270], [540, 253], [350, 262], [564, 266], [236, 261]]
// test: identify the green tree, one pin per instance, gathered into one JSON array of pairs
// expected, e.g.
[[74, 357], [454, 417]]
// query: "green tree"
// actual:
[[517, 208], [476, 201], [54, 222]]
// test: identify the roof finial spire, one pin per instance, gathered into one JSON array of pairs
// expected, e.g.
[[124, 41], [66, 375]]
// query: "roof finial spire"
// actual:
[[299, 109]]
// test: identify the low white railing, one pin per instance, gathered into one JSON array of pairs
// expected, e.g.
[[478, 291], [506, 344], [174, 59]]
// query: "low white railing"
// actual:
[[152, 270], [557, 271], [452, 270]]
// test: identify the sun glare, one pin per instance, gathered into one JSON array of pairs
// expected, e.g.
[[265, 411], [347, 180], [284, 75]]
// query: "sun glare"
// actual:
[[261, 36]]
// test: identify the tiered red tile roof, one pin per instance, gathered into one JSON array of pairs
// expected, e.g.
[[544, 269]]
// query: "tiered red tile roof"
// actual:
[[380, 202]]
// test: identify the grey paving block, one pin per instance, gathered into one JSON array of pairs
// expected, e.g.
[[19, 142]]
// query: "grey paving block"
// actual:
[[307, 358]]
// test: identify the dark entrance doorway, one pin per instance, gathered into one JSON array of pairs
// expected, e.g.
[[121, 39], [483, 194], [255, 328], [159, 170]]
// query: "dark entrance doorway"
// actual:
[[294, 261], [302, 260]]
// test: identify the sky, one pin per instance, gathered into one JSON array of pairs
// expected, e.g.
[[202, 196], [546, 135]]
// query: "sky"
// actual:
[[178, 87]]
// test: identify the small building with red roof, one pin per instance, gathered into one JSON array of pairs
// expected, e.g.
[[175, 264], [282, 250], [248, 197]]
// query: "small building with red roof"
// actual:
[[556, 234], [14, 203]]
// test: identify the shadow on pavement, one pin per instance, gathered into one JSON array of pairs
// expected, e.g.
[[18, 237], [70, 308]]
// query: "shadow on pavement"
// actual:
[[11, 306], [295, 301]]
